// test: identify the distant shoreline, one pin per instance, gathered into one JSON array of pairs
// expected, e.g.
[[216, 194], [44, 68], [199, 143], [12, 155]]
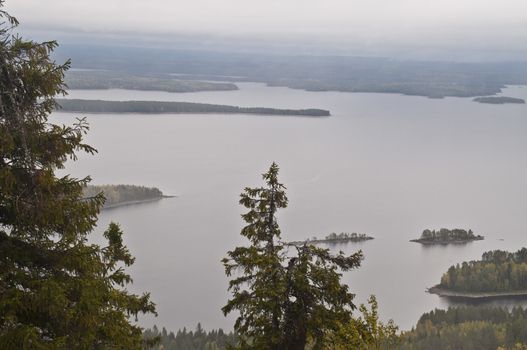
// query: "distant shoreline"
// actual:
[[499, 100], [442, 292], [335, 241], [140, 201], [163, 107]]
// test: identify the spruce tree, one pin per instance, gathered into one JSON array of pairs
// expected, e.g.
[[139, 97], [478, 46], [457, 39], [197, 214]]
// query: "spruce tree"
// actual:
[[259, 305], [288, 298], [57, 291]]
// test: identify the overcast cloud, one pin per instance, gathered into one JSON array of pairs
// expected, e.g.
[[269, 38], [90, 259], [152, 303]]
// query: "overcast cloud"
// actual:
[[480, 23]]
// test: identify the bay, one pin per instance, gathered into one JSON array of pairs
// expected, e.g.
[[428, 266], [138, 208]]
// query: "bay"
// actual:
[[386, 165]]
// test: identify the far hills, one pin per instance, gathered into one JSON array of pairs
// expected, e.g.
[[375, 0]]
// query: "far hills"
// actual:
[[308, 72]]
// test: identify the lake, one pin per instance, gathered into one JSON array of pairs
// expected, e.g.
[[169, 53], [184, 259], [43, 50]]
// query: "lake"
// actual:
[[386, 165]]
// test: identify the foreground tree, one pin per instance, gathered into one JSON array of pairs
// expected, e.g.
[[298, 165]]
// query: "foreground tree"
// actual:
[[56, 290], [261, 305], [289, 298]]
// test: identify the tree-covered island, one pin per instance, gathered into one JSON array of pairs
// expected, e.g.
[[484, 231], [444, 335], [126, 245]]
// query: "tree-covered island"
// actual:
[[446, 236], [498, 274], [334, 238], [119, 195], [498, 100], [158, 107]]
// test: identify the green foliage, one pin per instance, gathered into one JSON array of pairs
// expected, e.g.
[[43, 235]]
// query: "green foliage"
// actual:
[[497, 271], [190, 340], [56, 290], [365, 332], [287, 299], [446, 235], [119, 194], [156, 107], [468, 328], [260, 306]]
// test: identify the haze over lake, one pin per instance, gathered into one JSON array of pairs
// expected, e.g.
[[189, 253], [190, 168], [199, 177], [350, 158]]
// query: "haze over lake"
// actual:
[[386, 165]]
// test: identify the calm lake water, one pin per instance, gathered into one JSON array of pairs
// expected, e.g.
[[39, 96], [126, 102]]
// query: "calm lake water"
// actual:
[[385, 165]]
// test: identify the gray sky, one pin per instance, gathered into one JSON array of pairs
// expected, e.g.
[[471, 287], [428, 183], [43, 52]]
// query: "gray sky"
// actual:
[[480, 24]]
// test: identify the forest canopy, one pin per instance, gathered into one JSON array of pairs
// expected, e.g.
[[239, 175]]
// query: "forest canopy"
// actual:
[[497, 271], [468, 328]]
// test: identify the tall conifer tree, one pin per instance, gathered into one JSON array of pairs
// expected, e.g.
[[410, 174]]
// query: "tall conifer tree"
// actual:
[[57, 291], [260, 305], [288, 298]]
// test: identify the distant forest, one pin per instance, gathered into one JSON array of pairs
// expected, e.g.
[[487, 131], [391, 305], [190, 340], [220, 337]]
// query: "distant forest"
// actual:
[[97, 79], [463, 327], [157, 107], [122, 194], [497, 271], [184, 339], [469, 328], [314, 73]]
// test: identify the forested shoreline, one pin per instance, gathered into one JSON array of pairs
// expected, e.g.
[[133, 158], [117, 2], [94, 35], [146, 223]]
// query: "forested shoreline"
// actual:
[[159, 107], [119, 195], [497, 273]]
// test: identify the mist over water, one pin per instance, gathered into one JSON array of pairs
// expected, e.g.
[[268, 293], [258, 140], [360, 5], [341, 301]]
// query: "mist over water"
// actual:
[[385, 165]]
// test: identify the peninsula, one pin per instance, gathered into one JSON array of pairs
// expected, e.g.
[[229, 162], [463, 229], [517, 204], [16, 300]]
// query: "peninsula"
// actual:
[[499, 274], [120, 195], [158, 107], [446, 236], [334, 238], [498, 100]]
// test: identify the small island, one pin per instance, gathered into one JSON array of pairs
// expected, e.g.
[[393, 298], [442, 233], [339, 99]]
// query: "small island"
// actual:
[[499, 274], [334, 238], [120, 195], [159, 107], [498, 100], [446, 236]]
